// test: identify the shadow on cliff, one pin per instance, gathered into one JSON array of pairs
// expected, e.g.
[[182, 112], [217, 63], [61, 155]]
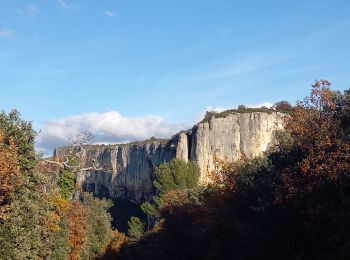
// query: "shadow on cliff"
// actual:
[[121, 211]]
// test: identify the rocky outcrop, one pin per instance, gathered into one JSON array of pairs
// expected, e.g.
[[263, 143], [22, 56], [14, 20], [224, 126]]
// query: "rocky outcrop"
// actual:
[[231, 137], [127, 170], [124, 170]]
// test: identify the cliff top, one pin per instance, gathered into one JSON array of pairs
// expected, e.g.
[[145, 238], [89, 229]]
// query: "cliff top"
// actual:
[[239, 110], [150, 140], [208, 116], [147, 141]]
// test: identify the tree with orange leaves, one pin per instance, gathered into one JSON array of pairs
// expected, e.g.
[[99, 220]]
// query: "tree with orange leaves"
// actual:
[[9, 175], [77, 229], [292, 203], [316, 185], [316, 129], [114, 246]]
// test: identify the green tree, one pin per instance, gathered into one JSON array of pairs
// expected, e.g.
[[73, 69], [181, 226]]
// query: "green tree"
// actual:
[[66, 184], [61, 246], [149, 209], [242, 107], [26, 233], [99, 228], [12, 126], [136, 228], [176, 175]]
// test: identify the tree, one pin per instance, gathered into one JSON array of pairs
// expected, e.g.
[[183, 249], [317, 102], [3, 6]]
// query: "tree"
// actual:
[[317, 185], [242, 107], [87, 228], [82, 138], [114, 246], [61, 247], [36, 222], [27, 231], [99, 230], [317, 131], [23, 135], [283, 106], [177, 175], [174, 198], [9, 175], [77, 229], [290, 203], [66, 183], [136, 228]]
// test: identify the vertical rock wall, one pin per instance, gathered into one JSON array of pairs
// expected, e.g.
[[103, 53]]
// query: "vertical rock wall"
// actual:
[[231, 137], [127, 170]]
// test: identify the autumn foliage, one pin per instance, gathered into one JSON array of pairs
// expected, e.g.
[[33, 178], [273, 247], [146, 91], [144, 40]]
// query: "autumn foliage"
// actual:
[[39, 218], [114, 246], [77, 229], [9, 174], [293, 202], [290, 203], [316, 128]]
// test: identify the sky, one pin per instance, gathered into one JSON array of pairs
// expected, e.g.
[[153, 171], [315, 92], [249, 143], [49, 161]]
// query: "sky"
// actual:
[[129, 70]]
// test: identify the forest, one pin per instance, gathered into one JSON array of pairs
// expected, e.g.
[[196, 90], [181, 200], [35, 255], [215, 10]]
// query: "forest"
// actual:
[[292, 202]]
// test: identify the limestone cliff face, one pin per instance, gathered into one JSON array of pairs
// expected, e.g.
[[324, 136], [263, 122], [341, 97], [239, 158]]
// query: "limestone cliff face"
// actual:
[[237, 135], [127, 170], [119, 170]]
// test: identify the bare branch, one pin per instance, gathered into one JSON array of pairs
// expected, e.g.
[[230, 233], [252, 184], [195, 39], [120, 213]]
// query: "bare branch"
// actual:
[[54, 162], [81, 138]]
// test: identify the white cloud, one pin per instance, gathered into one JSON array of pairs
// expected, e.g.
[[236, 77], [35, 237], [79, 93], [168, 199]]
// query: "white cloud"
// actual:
[[217, 109], [265, 104], [109, 13], [7, 34], [109, 127], [66, 6]]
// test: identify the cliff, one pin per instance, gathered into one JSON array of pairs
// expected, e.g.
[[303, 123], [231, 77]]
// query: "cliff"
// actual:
[[127, 170]]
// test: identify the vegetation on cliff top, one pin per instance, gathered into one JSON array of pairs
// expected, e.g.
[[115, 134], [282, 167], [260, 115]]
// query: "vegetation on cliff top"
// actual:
[[282, 107], [149, 141], [139, 143]]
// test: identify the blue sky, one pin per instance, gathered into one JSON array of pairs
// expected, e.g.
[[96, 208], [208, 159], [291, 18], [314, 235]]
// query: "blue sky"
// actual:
[[170, 59]]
